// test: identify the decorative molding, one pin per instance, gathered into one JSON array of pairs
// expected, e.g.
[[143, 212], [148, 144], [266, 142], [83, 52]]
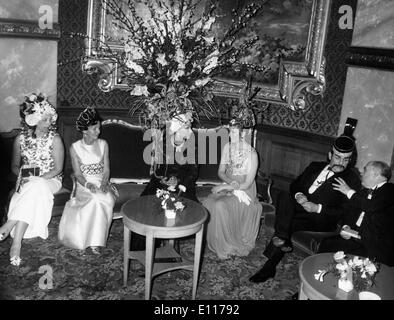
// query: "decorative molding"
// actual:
[[307, 76], [20, 28], [371, 57]]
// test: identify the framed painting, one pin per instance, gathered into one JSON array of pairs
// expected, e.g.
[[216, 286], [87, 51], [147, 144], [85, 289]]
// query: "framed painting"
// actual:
[[373, 36], [37, 19], [291, 35]]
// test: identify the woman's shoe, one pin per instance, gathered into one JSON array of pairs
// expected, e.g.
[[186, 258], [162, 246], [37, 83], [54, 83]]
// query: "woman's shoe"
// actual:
[[95, 250], [15, 258], [15, 261]]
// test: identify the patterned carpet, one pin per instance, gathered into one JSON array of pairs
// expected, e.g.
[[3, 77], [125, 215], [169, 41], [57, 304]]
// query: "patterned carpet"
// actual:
[[81, 275]]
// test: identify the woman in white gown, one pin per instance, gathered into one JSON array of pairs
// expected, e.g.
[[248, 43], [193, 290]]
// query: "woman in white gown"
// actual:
[[38, 156], [87, 217]]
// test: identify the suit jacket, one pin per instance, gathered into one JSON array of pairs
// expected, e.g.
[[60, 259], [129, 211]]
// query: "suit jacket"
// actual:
[[377, 227], [333, 202]]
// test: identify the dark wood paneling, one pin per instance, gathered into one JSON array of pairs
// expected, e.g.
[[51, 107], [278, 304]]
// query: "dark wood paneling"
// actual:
[[285, 153]]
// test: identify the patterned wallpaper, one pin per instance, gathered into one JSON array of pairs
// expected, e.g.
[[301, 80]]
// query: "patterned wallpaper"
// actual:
[[322, 115]]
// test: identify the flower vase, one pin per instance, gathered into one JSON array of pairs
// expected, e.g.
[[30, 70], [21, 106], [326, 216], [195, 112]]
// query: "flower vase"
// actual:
[[170, 214], [346, 283]]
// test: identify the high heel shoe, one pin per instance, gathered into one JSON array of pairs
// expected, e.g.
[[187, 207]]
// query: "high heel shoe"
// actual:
[[15, 261], [15, 258]]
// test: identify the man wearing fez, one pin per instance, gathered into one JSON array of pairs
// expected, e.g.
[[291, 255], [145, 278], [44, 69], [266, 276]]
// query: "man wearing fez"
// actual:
[[312, 204]]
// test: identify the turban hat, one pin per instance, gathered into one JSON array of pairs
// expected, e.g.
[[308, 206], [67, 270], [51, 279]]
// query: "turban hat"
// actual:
[[87, 118]]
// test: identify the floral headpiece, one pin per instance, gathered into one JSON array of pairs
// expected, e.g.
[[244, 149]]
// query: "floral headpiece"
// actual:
[[35, 107], [86, 118]]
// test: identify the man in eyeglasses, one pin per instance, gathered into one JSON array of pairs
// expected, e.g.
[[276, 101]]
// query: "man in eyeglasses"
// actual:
[[312, 204], [368, 227]]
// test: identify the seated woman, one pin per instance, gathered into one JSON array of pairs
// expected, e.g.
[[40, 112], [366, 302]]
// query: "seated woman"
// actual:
[[38, 156], [173, 172], [87, 218], [233, 206]]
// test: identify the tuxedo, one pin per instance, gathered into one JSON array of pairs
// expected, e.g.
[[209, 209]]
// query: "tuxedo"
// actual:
[[376, 228], [291, 216]]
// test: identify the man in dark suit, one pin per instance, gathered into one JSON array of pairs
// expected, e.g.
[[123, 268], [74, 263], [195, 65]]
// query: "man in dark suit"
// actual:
[[369, 225], [312, 205]]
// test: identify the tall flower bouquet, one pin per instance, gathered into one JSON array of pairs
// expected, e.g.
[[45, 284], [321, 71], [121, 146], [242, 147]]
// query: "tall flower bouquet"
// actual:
[[172, 56]]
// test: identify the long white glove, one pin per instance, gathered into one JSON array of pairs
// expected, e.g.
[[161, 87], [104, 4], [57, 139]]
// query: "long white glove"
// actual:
[[242, 196]]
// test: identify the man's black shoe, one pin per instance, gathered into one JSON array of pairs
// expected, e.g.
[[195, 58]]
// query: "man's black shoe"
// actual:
[[263, 275]]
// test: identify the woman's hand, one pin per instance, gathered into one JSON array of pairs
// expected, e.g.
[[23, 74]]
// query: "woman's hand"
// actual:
[[220, 188], [234, 184], [104, 187], [91, 187]]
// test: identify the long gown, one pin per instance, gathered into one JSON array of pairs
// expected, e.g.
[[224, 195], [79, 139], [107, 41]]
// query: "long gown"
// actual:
[[87, 217], [233, 225], [33, 201]]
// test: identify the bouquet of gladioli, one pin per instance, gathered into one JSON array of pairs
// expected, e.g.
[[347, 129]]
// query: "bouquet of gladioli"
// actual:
[[170, 200], [172, 56]]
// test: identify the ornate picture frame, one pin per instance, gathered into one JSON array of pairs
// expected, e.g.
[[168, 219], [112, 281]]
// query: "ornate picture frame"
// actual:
[[27, 29], [295, 78]]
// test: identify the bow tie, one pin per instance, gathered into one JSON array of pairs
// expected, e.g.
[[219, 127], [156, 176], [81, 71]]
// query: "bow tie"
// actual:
[[369, 191]]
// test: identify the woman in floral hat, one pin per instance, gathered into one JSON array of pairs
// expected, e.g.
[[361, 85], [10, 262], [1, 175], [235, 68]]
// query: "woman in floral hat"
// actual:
[[172, 173], [87, 217], [233, 206], [38, 156]]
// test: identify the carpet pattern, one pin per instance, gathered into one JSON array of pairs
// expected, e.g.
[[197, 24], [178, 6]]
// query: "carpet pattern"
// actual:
[[81, 275]]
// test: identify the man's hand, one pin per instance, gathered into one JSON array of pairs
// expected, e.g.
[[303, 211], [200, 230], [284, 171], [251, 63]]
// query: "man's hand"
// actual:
[[347, 232], [310, 207], [301, 198], [341, 186]]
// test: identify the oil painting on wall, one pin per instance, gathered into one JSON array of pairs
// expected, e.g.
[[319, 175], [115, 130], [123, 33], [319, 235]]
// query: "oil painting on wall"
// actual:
[[281, 25], [28, 61], [290, 49]]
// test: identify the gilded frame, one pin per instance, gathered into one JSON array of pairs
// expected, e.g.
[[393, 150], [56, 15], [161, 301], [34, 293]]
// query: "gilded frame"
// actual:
[[295, 78], [27, 29]]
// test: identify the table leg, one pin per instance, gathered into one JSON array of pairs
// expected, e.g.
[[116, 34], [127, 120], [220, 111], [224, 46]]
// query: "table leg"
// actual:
[[150, 240], [197, 257], [126, 250], [302, 295]]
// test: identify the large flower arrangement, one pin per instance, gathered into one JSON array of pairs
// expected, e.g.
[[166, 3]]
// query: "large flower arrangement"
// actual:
[[363, 270], [171, 55]]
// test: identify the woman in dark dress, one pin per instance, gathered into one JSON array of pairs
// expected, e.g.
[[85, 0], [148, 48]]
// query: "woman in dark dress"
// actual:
[[179, 167]]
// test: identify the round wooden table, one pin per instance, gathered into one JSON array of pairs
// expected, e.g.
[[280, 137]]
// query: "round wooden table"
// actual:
[[328, 289], [145, 217]]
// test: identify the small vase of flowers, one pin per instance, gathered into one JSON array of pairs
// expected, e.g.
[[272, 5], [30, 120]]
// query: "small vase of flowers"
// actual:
[[352, 272], [171, 201]]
